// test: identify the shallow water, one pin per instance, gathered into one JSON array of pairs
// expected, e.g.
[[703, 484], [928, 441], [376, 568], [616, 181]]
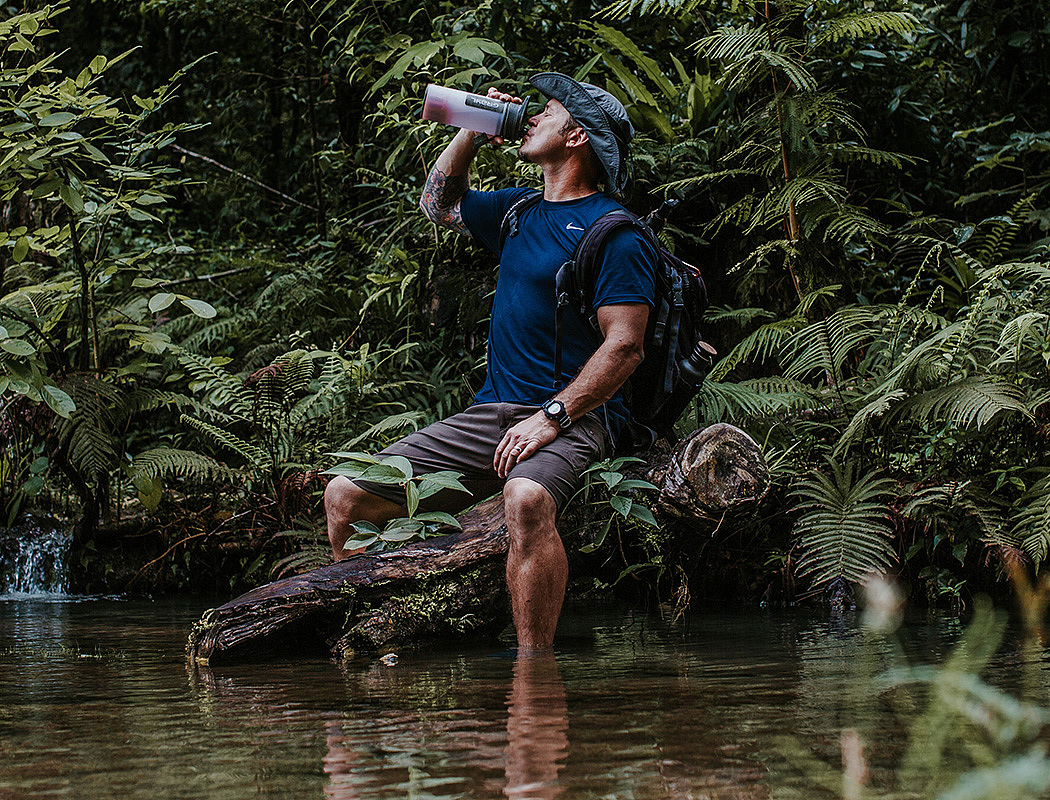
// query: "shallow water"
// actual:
[[97, 701]]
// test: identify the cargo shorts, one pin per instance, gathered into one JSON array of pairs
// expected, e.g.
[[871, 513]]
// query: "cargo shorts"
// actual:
[[466, 443]]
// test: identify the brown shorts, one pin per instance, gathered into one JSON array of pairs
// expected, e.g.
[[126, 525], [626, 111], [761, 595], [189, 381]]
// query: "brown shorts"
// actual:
[[466, 443]]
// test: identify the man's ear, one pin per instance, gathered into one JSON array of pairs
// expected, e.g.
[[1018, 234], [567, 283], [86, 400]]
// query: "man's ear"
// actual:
[[577, 137]]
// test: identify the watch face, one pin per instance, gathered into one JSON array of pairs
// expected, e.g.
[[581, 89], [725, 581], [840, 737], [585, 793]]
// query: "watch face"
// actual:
[[555, 407]]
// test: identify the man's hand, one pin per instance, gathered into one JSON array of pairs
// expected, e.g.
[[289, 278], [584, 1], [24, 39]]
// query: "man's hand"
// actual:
[[522, 441], [496, 94]]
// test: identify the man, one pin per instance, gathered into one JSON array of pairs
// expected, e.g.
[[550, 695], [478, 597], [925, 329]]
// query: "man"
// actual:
[[531, 431]]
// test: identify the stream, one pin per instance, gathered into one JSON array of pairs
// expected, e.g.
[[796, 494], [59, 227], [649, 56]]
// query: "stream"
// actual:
[[97, 701]]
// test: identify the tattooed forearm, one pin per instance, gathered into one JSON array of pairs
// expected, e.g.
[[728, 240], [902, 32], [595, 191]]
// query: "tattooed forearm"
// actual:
[[440, 200]]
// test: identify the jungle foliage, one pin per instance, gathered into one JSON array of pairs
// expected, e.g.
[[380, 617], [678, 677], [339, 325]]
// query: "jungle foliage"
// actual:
[[213, 273]]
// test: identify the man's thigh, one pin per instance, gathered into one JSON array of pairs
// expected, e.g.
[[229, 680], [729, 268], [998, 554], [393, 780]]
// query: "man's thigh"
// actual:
[[466, 443], [463, 443]]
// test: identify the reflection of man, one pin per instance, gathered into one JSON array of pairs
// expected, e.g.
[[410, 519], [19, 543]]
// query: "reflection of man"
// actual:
[[530, 431], [537, 728]]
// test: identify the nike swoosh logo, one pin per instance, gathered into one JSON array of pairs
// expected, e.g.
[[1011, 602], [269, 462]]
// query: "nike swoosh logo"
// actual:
[[571, 227]]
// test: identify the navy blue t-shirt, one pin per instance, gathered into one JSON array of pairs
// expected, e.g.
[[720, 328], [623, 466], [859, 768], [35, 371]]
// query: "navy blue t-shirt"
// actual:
[[521, 333]]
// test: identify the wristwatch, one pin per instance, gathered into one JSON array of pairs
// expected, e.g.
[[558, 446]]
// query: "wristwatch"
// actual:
[[555, 411]]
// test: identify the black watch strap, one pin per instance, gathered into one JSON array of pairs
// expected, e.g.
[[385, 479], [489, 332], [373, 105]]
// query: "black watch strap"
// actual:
[[555, 410]]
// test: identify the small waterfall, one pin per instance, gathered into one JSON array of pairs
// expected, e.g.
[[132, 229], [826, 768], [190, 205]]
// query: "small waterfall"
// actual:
[[34, 559]]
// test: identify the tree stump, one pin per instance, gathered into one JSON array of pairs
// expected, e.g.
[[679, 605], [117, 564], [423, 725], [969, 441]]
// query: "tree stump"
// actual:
[[453, 585]]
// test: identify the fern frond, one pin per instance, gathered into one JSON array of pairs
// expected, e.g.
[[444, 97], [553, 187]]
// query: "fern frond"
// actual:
[[741, 316], [861, 422], [1032, 521], [867, 24], [975, 400], [624, 8], [223, 389], [824, 346], [89, 431], [746, 400], [758, 345], [395, 422], [850, 222], [993, 245], [255, 456], [163, 462], [151, 399], [1032, 329], [845, 529]]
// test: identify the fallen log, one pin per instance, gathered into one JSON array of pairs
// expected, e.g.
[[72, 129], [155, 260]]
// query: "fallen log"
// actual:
[[453, 585]]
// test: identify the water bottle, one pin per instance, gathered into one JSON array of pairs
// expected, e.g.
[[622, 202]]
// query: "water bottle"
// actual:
[[697, 364], [475, 112]]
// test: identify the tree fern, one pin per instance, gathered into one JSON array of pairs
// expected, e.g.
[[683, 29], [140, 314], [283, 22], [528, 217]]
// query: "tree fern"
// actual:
[[165, 462], [866, 24], [845, 530], [1032, 521], [973, 401]]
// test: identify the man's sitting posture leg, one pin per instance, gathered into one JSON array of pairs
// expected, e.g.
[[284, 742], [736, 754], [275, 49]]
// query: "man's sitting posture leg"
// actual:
[[537, 569], [346, 503]]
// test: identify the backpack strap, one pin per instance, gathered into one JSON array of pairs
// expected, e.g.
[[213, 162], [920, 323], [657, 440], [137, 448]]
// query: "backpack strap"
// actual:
[[587, 255], [574, 283], [509, 223]]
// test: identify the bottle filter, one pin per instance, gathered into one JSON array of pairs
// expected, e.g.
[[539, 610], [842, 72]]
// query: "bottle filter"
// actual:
[[474, 112]]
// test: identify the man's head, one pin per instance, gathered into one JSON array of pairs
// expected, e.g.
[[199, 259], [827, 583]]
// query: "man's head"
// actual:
[[600, 116]]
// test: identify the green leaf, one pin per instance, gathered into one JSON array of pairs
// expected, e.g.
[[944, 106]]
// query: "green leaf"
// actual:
[[436, 481], [21, 249], [399, 534], [98, 63], [635, 484], [198, 307], [17, 347], [380, 473], [54, 120], [640, 512], [621, 504], [412, 498], [33, 486], [71, 197], [151, 498], [400, 463], [161, 300], [59, 402], [441, 517], [599, 539], [39, 465]]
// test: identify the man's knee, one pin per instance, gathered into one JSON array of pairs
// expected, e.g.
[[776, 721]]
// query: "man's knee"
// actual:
[[528, 507], [345, 501]]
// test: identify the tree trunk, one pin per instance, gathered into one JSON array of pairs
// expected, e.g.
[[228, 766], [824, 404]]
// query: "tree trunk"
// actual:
[[454, 585]]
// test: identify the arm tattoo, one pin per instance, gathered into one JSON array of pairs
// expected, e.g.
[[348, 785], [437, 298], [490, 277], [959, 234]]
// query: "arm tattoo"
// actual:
[[440, 200]]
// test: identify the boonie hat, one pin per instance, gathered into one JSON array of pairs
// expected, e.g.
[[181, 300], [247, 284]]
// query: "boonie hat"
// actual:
[[601, 115]]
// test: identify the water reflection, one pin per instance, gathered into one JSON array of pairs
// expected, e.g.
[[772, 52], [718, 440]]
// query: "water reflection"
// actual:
[[453, 751], [95, 703], [537, 728]]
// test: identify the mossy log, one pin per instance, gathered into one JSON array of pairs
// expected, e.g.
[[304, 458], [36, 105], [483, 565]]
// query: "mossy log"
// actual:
[[453, 585]]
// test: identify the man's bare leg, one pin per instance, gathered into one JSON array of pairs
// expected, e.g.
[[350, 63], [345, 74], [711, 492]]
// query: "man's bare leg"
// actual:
[[537, 569], [346, 503]]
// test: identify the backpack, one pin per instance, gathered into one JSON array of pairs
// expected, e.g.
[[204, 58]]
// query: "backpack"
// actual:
[[676, 355]]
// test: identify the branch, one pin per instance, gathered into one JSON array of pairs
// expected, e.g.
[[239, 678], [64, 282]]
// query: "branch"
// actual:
[[241, 175]]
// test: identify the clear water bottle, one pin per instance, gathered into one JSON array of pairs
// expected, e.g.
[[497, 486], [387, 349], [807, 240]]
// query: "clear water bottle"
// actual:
[[475, 112]]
